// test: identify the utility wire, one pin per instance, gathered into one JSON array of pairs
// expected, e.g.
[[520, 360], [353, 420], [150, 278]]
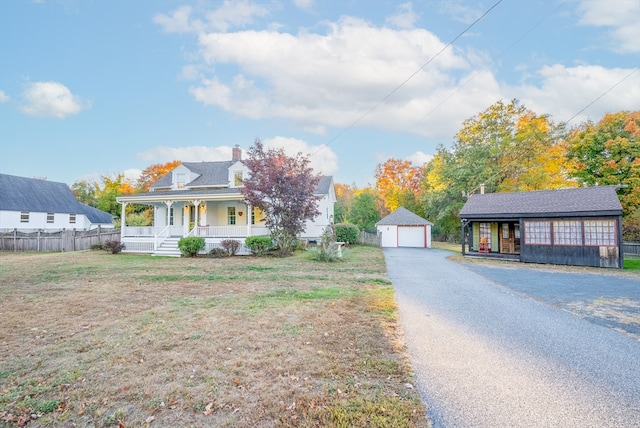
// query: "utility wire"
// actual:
[[397, 88]]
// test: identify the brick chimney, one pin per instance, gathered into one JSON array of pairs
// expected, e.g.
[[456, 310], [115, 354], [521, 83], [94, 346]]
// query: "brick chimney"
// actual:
[[236, 153]]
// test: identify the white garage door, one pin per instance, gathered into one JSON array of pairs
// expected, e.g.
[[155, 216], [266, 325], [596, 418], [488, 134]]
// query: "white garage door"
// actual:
[[411, 236]]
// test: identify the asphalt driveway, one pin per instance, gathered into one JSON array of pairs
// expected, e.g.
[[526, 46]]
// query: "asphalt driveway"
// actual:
[[607, 297], [487, 354]]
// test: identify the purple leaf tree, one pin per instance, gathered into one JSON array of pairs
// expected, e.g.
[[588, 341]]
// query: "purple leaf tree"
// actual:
[[283, 188]]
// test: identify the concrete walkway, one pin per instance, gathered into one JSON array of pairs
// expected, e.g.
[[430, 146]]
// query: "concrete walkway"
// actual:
[[488, 356]]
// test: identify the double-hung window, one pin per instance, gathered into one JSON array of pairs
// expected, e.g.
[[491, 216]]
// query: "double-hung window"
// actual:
[[231, 215]]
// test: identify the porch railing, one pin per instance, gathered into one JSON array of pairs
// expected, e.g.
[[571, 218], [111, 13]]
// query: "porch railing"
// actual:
[[160, 237], [222, 231]]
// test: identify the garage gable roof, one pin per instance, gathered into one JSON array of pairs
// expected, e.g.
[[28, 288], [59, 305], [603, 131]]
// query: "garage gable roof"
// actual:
[[578, 201], [403, 217]]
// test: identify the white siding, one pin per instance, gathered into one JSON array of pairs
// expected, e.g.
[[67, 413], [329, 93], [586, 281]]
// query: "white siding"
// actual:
[[389, 235], [37, 220]]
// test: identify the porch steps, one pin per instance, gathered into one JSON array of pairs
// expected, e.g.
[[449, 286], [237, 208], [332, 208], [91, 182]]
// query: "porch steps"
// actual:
[[168, 248]]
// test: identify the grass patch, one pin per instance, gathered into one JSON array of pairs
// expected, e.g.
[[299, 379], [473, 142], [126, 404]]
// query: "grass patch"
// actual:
[[631, 263], [238, 341]]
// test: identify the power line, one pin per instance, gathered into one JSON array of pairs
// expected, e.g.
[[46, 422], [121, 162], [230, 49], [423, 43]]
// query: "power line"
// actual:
[[397, 88], [603, 94]]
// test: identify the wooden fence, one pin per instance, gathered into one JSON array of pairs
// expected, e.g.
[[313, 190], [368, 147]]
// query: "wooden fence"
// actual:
[[370, 239], [55, 240], [631, 248]]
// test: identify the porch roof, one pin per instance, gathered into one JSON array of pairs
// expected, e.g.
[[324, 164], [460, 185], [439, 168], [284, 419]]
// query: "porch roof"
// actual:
[[183, 195]]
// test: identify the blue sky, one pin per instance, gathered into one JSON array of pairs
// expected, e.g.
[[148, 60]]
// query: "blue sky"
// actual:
[[90, 88]]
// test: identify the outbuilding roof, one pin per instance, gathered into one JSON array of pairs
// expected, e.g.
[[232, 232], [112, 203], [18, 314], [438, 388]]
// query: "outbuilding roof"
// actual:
[[583, 201], [30, 194], [403, 217]]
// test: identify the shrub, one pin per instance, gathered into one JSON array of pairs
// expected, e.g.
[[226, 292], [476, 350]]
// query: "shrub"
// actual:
[[327, 250], [347, 233], [258, 244], [98, 246], [114, 246], [191, 245], [217, 253], [231, 246]]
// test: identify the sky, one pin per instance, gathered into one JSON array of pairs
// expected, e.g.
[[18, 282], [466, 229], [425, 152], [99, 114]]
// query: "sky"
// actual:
[[96, 88]]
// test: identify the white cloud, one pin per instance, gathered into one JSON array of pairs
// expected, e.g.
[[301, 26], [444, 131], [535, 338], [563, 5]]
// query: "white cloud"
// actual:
[[405, 18], [4, 98], [304, 4], [332, 79], [564, 91], [419, 158], [164, 154], [322, 159], [460, 11], [132, 174], [231, 14], [51, 99], [623, 17]]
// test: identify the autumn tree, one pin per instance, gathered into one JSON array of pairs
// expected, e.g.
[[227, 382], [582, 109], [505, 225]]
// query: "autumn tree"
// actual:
[[344, 202], [152, 173], [398, 184], [364, 211], [608, 153], [283, 188], [113, 186], [85, 192], [506, 148]]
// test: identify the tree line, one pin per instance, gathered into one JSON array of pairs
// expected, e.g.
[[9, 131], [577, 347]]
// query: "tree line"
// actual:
[[505, 148]]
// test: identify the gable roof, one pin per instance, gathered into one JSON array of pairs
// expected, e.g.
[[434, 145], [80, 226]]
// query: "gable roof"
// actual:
[[403, 217], [30, 194], [589, 201], [209, 174]]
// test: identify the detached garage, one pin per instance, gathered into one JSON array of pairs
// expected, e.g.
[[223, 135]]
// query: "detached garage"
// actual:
[[402, 228]]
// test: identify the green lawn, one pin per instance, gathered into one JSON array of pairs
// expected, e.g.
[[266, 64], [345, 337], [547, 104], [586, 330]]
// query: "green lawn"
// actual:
[[632, 263]]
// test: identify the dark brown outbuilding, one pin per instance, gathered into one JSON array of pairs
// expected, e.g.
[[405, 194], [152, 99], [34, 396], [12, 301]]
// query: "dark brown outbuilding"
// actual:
[[581, 226]]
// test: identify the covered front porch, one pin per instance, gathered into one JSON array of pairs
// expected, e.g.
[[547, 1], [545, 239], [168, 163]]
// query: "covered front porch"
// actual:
[[213, 220], [499, 239]]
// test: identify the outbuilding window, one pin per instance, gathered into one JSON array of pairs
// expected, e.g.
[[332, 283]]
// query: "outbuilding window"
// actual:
[[50, 217], [600, 232], [567, 232], [24, 217], [537, 232]]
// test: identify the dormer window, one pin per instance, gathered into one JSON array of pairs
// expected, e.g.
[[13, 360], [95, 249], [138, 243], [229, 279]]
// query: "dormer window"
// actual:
[[181, 178], [237, 179]]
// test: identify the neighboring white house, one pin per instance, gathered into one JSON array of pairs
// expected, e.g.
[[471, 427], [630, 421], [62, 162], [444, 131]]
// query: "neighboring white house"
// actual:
[[204, 199], [30, 204], [402, 228]]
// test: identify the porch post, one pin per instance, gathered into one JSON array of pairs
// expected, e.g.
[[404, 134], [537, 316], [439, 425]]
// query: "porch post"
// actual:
[[168, 204], [464, 225], [249, 215], [196, 221], [123, 221]]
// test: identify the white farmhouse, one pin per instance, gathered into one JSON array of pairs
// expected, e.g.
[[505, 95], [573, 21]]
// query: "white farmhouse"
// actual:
[[28, 204], [204, 199]]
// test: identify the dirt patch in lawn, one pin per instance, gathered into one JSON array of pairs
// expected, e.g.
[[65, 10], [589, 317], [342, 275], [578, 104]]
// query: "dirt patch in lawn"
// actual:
[[94, 339]]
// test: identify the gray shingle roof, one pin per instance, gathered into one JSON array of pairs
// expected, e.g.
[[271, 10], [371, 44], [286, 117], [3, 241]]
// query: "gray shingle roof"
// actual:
[[29, 194], [324, 185], [579, 201], [403, 217], [209, 174]]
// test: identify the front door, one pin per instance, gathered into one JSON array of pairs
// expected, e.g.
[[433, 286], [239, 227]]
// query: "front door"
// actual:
[[509, 238]]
